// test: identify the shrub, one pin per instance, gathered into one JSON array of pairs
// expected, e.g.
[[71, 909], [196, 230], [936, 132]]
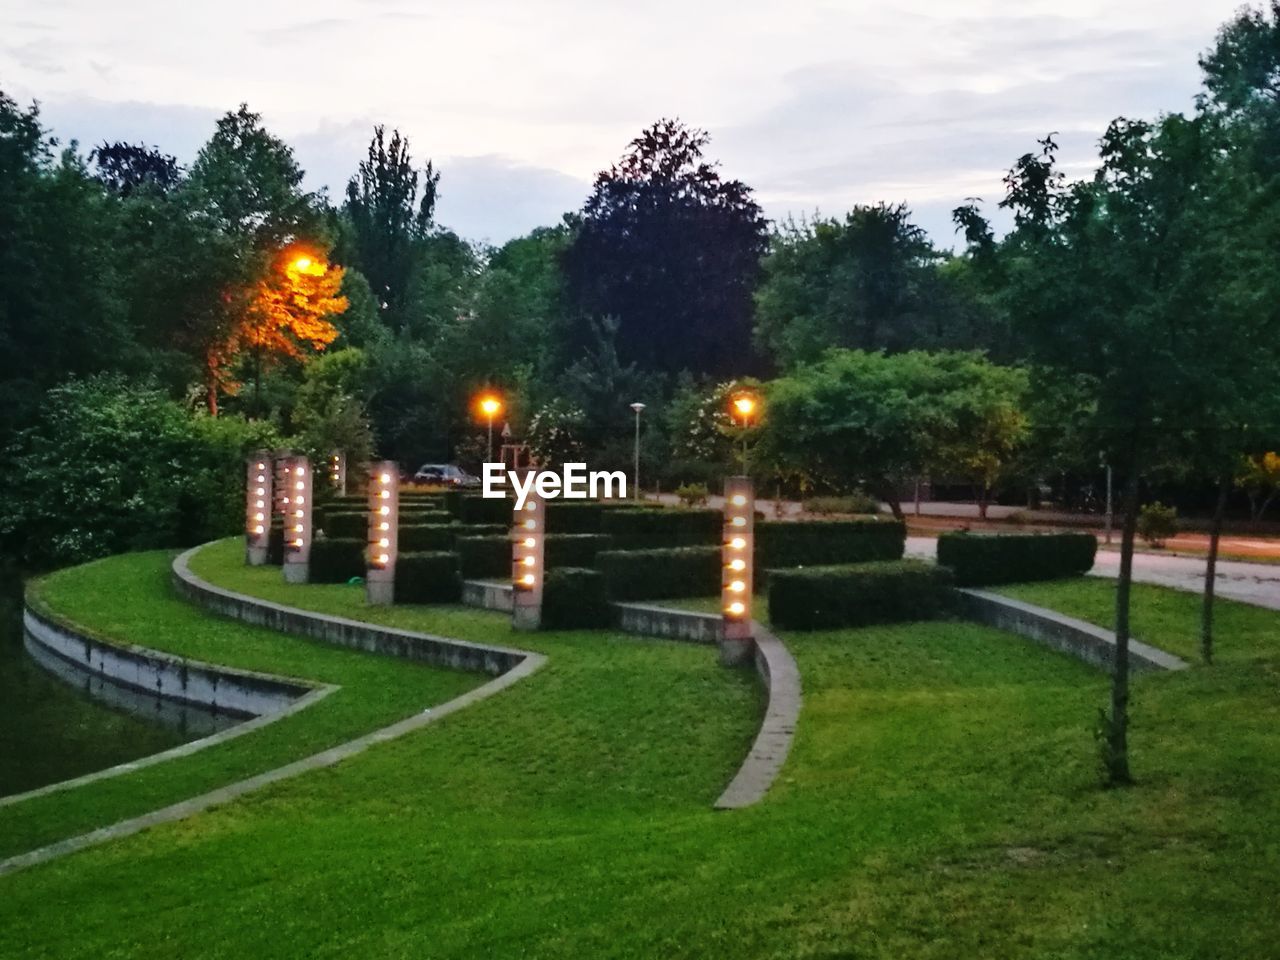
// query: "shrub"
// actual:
[[484, 558], [858, 595], [429, 577], [978, 560], [427, 536], [275, 543], [573, 517], [649, 529], [856, 502], [344, 525], [693, 494], [1157, 523], [660, 574], [575, 598], [419, 515], [336, 560], [825, 542], [575, 549], [481, 510]]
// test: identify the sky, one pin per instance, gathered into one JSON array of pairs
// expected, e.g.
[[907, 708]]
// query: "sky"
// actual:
[[817, 105]]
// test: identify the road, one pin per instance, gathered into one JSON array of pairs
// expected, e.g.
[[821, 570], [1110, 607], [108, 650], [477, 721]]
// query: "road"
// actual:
[[1256, 583]]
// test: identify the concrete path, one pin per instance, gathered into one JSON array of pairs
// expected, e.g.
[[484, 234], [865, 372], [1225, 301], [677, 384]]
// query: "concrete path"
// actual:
[[1255, 583]]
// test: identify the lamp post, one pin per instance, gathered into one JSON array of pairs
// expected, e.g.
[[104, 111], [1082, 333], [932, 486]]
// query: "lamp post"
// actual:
[[639, 409], [738, 563], [384, 522], [257, 507], [528, 531], [490, 406], [744, 404]]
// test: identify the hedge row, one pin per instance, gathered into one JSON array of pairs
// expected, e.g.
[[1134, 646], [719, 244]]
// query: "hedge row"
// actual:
[[978, 560], [827, 542], [649, 529], [484, 558], [336, 560], [428, 536], [856, 595], [574, 549], [660, 574], [475, 510], [428, 577], [575, 598]]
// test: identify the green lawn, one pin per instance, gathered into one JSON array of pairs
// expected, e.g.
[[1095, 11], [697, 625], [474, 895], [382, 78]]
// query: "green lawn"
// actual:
[[940, 802]]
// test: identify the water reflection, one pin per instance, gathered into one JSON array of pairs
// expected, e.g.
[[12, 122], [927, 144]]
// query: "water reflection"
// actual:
[[55, 723]]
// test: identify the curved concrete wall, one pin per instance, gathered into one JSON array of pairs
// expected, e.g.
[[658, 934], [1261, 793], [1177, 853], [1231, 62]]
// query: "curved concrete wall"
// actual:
[[238, 693]]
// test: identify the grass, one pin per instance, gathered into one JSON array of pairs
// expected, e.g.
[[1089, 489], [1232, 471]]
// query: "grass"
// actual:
[[940, 801]]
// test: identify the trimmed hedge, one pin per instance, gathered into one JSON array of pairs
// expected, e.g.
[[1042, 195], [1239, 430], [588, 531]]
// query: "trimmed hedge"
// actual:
[[484, 558], [575, 549], [978, 560], [346, 525], [422, 515], [857, 595], [429, 577], [417, 537], [574, 516], [575, 599], [473, 510], [275, 543], [660, 574], [336, 560], [827, 542], [649, 529]]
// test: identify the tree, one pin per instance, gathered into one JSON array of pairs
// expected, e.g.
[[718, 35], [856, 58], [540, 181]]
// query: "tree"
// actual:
[[871, 281], [671, 250], [858, 419], [388, 219], [1259, 477], [124, 168]]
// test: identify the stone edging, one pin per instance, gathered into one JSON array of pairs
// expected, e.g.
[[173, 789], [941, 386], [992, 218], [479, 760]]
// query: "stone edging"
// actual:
[[114, 661], [511, 665], [1085, 641], [781, 676]]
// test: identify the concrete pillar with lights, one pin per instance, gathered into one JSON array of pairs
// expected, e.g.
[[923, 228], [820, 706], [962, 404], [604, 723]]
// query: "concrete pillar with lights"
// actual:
[[384, 523], [528, 537], [738, 553], [297, 520], [338, 473], [257, 507]]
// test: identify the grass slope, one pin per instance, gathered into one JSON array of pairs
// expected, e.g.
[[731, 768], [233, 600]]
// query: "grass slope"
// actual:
[[940, 802]]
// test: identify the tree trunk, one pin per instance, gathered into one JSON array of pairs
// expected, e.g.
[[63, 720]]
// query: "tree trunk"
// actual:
[[895, 506], [984, 498], [1117, 752], [1211, 572], [211, 386]]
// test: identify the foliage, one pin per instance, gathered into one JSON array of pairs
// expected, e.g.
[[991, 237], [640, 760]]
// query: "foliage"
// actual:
[[574, 549], [870, 281], [671, 249], [821, 598], [574, 598], [415, 537], [110, 467], [824, 542], [427, 577], [554, 434], [979, 560], [647, 528], [484, 558], [1259, 476], [328, 413], [336, 560], [1157, 523], [856, 502], [693, 494], [662, 573]]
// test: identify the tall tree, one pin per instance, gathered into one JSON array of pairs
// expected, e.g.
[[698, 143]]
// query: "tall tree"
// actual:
[[126, 167], [871, 281], [388, 218], [672, 250]]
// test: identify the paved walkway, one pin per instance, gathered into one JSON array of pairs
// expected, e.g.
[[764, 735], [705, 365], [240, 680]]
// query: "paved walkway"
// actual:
[[1256, 583]]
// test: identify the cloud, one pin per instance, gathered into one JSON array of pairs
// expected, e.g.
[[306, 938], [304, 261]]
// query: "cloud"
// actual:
[[495, 198]]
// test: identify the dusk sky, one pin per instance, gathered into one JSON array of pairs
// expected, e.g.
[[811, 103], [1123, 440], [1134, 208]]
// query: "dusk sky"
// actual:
[[816, 105]]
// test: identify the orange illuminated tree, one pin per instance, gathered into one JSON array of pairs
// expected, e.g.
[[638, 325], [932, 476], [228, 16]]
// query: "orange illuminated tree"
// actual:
[[289, 309]]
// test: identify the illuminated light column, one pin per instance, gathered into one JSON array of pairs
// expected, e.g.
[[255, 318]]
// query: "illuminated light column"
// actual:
[[257, 508], [528, 535], [338, 473], [738, 562], [297, 520], [384, 520]]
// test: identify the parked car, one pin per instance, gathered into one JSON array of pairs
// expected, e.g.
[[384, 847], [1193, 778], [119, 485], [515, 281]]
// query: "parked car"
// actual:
[[445, 475]]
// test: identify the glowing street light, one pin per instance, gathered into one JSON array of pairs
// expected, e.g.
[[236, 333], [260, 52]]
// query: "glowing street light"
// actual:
[[527, 563], [257, 508], [744, 407], [737, 562], [638, 408], [490, 405], [384, 532]]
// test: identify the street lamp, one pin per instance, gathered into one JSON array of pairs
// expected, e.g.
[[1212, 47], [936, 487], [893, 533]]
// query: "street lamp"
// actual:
[[638, 408], [744, 406], [490, 406]]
